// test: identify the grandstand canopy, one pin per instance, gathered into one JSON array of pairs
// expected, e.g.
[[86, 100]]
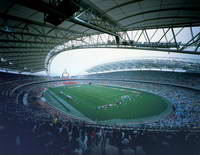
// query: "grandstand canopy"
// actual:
[[148, 63], [34, 32]]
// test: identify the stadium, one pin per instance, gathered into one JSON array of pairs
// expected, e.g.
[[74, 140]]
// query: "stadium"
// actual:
[[100, 77]]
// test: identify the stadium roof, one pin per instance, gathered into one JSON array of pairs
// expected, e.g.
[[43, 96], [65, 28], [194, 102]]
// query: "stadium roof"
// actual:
[[160, 64], [31, 32]]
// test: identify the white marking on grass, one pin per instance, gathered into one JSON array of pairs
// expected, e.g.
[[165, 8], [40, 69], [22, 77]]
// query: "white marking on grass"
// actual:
[[73, 110]]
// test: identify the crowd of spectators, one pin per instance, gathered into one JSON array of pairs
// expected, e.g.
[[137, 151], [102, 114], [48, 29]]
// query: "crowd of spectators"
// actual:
[[186, 105], [178, 78], [66, 137], [9, 81], [34, 129]]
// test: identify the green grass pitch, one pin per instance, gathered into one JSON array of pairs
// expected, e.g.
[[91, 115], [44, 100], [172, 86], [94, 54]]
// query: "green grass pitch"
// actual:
[[93, 100]]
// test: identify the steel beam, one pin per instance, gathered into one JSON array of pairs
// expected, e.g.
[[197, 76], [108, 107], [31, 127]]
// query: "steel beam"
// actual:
[[22, 63], [191, 32], [94, 27], [198, 45], [31, 42], [167, 17], [32, 22], [160, 10], [44, 7], [23, 47], [191, 41], [105, 21], [163, 25], [34, 35], [177, 33], [164, 35], [20, 59], [147, 36], [23, 54], [140, 36]]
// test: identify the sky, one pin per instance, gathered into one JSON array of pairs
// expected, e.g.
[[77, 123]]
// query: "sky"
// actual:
[[78, 60]]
